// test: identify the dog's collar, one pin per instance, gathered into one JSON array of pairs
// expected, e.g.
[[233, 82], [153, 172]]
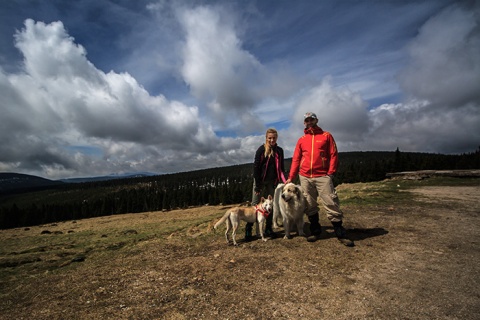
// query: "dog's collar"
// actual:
[[264, 212]]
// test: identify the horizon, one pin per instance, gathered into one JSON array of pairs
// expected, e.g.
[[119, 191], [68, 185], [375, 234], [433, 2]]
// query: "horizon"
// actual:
[[121, 175]]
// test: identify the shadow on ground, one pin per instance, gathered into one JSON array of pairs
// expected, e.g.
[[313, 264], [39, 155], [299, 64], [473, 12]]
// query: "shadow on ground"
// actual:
[[355, 234]]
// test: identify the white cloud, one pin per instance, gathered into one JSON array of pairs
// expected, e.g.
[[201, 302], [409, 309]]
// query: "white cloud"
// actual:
[[415, 126], [444, 72], [445, 60], [442, 80], [61, 101], [218, 70], [338, 110]]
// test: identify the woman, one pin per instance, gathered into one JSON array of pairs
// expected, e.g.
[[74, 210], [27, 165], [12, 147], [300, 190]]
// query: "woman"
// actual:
[[268, 171]]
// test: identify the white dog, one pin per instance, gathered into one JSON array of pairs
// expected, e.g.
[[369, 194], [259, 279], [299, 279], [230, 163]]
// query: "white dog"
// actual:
[[289, 203], [256, 214]]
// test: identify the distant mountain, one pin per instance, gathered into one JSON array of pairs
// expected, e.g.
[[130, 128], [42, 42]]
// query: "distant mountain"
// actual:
[[14, 182], [18, 181], [112, 176]]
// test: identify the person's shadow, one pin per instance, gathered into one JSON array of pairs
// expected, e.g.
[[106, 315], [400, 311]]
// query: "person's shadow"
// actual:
[[355, 234]]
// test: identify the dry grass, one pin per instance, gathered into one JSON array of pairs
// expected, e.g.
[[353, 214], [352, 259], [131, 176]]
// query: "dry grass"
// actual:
[[416, 257]]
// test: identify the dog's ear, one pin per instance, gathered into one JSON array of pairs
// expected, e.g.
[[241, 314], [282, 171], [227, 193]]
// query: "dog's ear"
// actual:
[[297, 190], [270, 197], [262, 199]]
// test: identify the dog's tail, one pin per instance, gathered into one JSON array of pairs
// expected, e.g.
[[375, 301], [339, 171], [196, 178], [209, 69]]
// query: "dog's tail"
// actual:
[[276, 205], [222, 220]]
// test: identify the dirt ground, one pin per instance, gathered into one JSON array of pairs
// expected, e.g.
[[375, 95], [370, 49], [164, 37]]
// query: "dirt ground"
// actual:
[[412, 261]]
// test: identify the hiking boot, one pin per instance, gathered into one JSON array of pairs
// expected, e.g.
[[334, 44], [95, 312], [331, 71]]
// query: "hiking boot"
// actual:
[[341, 234], [315, 228], [270, 234]]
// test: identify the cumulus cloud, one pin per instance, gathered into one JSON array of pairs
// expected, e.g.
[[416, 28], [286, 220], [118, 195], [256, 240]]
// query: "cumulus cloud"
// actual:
[[444, 75], [61, 101], [445, 59], [339, 110], [218, 70], [441, 82], [416, 126]]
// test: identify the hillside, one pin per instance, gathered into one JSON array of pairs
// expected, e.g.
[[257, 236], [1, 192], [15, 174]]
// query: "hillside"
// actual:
[[17, 182], [109, 177], [416, 256]]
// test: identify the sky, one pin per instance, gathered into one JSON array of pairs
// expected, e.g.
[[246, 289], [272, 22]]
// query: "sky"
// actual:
[[99, 87]]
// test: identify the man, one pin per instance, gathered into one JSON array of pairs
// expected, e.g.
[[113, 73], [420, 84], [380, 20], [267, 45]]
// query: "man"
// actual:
[[315, 159]]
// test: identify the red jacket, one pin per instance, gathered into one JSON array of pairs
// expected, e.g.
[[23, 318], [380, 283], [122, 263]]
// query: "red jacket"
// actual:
[[315, 154]]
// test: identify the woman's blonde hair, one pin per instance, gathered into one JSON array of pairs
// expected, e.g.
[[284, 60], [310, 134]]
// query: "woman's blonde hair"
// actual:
[[268, 149]]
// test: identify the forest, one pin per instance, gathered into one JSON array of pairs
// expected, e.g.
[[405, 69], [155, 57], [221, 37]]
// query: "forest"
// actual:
[[224, 185]]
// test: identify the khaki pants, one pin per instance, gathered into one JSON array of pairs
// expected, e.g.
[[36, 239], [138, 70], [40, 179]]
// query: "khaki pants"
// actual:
[[321, 187]]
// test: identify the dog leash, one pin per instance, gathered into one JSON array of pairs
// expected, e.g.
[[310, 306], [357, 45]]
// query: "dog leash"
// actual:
[[279, 169]]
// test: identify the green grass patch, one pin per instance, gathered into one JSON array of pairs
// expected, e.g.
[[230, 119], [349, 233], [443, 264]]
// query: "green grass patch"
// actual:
[[395, 191]]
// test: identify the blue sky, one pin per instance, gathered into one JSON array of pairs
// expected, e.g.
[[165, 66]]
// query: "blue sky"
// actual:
[[99, 87]]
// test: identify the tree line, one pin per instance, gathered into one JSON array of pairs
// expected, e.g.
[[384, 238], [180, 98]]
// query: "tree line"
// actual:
[[225, 185]]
